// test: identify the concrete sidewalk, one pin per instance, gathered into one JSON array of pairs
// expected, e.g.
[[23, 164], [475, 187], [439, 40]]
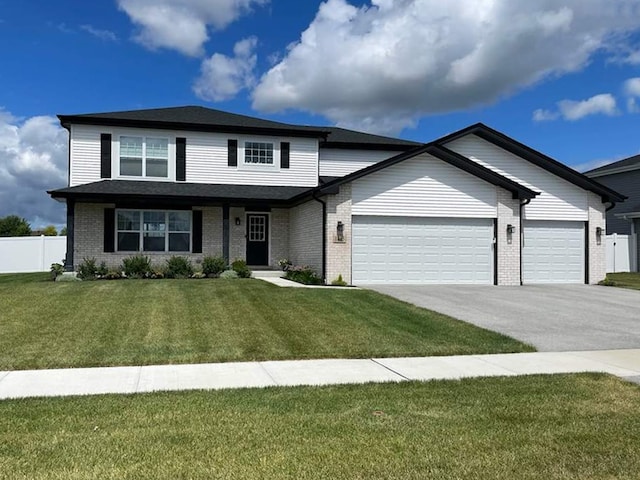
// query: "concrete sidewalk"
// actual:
[[89, 381]]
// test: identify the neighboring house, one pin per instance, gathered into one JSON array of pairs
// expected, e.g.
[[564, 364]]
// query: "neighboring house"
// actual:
[[624, 177], [472, 207]]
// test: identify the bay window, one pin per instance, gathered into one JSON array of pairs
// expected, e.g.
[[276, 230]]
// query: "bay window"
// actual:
[[153, 231]]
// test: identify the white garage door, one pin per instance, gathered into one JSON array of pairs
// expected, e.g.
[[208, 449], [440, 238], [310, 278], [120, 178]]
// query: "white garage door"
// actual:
[[553, 252], [422, 250]]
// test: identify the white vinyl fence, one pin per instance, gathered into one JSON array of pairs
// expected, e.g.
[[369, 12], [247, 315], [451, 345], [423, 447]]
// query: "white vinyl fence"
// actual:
[[621, 253], [31, 254]]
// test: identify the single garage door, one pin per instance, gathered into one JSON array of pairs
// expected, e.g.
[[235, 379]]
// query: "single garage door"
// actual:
[[553, 252], [422, 250]]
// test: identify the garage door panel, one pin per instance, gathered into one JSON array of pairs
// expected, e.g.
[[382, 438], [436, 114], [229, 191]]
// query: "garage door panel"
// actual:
[[422, 250], [553, 252]]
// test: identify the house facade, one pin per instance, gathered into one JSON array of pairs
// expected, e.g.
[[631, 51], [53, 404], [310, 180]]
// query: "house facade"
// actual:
[[472, 207], [624, 219]]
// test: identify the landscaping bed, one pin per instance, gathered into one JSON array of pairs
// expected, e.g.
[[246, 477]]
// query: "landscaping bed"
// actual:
[[584, 426], [625, 280], [46, 324]]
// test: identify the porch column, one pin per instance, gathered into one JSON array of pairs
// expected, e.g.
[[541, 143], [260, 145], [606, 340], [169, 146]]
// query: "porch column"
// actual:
[[68, 259]]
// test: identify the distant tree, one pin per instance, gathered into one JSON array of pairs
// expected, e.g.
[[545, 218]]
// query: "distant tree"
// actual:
[[14, 226], [49, 231], [63, 232]]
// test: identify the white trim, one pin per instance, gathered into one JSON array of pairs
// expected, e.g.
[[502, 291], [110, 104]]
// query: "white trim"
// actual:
[[269, 167], [144, 134], [613, 171], [627, 216]]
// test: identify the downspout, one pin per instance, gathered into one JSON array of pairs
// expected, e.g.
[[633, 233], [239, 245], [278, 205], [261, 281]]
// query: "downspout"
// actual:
[[324, 234], [613, 204], [522, 205]]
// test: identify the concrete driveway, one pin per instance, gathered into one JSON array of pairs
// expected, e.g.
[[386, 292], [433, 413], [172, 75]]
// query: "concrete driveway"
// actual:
[[549, 317]]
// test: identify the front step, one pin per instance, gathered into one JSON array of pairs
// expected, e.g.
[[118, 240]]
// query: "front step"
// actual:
[[266, 273]]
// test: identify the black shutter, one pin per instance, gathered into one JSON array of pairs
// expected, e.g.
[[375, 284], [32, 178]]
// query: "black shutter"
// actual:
[[285, 148], [109, 229], [232, 154], [105, 155], [181, 159], [196, 241]]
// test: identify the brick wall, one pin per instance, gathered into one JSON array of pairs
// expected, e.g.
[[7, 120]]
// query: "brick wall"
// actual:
[[279, 235], [597, 246], [237, 239], [305, 235], [339, 254], [508, 245], [89, 237]]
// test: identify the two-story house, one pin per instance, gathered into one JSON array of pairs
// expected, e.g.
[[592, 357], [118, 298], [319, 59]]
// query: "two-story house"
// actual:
[[624, 177], [473, 207]]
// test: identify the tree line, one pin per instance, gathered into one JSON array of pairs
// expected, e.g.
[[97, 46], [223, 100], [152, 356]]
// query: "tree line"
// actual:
[[15, 226]]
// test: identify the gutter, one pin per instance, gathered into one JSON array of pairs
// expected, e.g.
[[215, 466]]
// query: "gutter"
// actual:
[[613, 204], [324, 234]]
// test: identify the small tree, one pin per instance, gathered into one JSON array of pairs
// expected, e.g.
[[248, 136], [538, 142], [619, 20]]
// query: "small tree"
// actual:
[[49, 231], [14, 226]]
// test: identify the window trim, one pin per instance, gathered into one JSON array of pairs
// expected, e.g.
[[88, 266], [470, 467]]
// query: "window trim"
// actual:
[[141, 232], [145, 134], [242, 165]]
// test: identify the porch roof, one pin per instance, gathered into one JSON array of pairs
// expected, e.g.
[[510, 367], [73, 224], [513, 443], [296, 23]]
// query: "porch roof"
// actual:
[[194, 193]]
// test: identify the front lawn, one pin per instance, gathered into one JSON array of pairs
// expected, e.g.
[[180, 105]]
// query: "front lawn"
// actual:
[[132, 322], [538, 427], [625, 280]]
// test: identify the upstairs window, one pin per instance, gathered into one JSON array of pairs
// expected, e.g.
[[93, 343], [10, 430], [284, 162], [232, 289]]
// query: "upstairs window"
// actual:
[[144, 157], [258, 153]]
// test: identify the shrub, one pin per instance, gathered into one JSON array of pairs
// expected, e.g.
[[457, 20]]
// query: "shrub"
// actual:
[[112, 275], [102, 270], [87, 270], [213, 266], [156, 274], [229, 274], [179, 267], [285, 264], [198, 275], [57, 269], [339, 282], [240, 267], [305, 275], [138, 266]]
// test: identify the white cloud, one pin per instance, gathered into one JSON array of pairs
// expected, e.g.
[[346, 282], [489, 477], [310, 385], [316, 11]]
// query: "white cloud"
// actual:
[[182, 24], [632, 91], [222, 77], [541, 115], [106, 35], [603, 104], [33, 159], [401, 59]]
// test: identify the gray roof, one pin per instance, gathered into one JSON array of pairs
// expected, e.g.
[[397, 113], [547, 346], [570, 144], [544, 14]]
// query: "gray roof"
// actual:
[[178, 190], [209, 119], [626, 163]]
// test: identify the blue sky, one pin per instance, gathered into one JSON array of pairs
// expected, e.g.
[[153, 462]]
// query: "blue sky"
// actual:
[[562, 76]]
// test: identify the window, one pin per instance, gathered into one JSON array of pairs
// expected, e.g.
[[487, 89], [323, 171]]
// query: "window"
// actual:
[[258, 153], [153, 231], [144, 157]]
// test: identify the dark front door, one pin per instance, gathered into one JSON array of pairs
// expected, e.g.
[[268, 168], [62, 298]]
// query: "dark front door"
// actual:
[[257, 239]]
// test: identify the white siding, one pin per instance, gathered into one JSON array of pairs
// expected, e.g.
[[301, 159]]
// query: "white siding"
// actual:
[[424, 186], [85, 155], [558, 199], [206, 157], [207, 162], [335, 162]]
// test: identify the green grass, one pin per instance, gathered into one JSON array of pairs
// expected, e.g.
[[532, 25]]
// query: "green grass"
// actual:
[[552, 427], [47, 324], [625, 280]]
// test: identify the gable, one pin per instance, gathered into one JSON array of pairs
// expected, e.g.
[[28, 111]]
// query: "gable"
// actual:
[[558, 199], [424, 186]]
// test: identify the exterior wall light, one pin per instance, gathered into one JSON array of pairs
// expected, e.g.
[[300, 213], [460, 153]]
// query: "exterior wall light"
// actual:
[[510, 229], [238, 221], [599, 235], [340, 232]]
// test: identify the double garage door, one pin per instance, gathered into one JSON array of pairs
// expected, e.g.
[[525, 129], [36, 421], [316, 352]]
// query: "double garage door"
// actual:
[[411, 250]]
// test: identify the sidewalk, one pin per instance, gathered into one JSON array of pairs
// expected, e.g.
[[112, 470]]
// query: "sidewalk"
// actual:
[[89, 381]]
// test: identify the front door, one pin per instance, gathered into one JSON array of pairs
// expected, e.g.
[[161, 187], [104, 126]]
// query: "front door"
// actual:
[[257, 239]]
